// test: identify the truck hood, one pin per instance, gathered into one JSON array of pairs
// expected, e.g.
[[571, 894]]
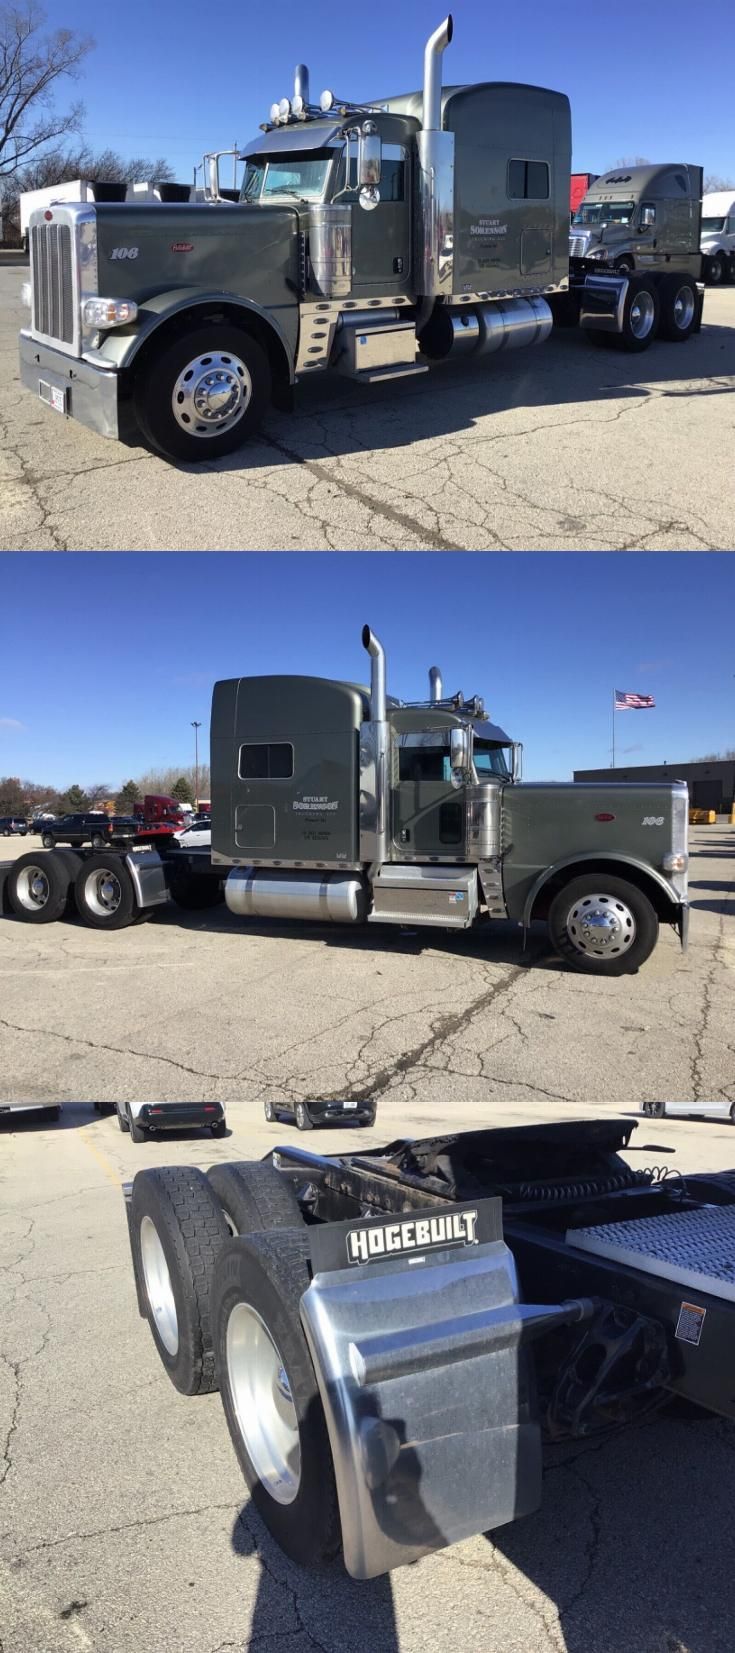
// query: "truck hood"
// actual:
[[596, 235], [147, 249]]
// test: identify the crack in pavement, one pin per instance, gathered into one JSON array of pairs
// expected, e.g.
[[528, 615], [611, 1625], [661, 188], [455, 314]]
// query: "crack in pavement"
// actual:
[[125, 1526]]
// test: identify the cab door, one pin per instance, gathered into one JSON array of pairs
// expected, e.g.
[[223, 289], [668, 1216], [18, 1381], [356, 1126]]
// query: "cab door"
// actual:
[[427, 811], [381, 238]]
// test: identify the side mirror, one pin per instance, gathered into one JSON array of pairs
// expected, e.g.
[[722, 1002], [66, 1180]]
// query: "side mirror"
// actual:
[[648, 218], [212, 165], [369, 155], [460, 756], [517, 768]]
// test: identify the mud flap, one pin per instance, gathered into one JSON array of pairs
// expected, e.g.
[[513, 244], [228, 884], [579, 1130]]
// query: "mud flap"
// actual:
[[419, 1345]]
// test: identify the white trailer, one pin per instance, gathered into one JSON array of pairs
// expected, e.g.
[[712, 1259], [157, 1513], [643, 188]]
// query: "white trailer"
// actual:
[[718, 236]]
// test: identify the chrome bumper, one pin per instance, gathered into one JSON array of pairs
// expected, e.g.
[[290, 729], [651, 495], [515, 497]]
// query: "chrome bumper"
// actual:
[[90, 393]]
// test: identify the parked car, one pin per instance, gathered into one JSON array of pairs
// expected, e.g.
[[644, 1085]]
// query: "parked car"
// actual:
[[11, 825], [305, 1115], [197, 834], [690, 1110], [143, 1119], [93, 828]]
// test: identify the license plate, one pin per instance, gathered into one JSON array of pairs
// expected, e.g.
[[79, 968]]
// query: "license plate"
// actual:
[[350, 1104], [54, 395]]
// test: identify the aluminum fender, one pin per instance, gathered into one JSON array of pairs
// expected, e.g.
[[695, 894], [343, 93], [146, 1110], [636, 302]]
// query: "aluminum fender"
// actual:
[[149, 878], [579, 861], [120, 348]]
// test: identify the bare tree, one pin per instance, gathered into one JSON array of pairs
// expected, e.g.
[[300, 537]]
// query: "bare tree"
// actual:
[[32, 62], [713, 182], [59, 166]]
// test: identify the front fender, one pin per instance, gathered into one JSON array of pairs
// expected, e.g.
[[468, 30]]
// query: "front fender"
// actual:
[[120, 348], [580, 861]]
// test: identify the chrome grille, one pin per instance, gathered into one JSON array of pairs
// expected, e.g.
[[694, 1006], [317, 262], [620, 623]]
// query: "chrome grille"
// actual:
[[53, 281], [577, 246]]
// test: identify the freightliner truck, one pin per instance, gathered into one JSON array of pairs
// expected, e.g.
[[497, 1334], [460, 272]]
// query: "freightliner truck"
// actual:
[[337, 803], [372, 238], [641, 218], [395, 1332]]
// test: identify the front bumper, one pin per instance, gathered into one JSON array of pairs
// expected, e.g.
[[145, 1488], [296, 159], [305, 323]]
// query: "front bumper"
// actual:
[[90, 394], [173, 1116]]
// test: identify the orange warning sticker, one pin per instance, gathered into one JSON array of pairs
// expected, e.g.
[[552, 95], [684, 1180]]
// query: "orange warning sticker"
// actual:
[[690, 1322]]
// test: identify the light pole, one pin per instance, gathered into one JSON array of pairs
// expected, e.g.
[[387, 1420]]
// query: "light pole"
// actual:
[[196, 727]]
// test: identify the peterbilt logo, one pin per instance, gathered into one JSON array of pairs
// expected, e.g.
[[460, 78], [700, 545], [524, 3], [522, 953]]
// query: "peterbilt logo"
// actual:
[[364, 1245], [124, 252]]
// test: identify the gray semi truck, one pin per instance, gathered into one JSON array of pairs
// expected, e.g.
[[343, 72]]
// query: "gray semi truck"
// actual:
[[373, 238], [333, 802], [643, 218]]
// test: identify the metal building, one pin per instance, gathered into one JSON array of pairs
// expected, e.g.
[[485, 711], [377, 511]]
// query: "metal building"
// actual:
[[711, 785]]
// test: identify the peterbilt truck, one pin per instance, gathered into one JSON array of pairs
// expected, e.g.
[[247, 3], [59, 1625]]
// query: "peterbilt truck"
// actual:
[[397, 1331], [333, 802], [373, 238]]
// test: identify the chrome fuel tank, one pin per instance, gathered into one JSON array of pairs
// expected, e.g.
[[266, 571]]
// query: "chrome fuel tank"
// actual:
[[326, 897]]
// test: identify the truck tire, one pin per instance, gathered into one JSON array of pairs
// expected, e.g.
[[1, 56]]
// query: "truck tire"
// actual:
[[603, 925], [177, 1230], [254, 1197], [212, 361], [122, 1120], [270, 1393], [38, 886], [304, 1121], [197, 892], [104, 893], [138, 1132], [715, 270], [625, 265], [678, 301], [640, 318]]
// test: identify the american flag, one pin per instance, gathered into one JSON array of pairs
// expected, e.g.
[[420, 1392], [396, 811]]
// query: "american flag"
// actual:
[[626, 702]]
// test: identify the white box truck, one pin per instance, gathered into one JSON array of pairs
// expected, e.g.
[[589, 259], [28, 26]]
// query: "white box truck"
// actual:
[[718, 236]]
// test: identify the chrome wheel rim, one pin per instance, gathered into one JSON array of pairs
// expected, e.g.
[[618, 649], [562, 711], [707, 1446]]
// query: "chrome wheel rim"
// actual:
[[601, 926], [264, 1408], [103, 892], [684, 309], [32, 889], [211, 394], [158, 1286], [300, 1114], [642, 314], [269, 1110]]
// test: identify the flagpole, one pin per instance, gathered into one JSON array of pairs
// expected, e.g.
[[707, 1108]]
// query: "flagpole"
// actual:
[[613, 729]]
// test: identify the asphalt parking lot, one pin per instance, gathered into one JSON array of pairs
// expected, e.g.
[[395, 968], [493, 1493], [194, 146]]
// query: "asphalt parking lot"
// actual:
[[123, 1523], [563, 447]]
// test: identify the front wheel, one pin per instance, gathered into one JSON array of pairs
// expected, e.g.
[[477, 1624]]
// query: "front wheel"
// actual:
[[715, 270], [603, 925], [204, 394]]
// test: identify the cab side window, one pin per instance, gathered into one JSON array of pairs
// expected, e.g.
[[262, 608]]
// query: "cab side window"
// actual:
[[528, 180], [392, 175]]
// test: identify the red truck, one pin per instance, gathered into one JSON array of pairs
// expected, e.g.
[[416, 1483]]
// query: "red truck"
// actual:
[[578, 187]]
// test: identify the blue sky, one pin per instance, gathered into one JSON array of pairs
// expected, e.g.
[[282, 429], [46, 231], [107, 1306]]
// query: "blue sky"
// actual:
[[171, 79], [123, 649]]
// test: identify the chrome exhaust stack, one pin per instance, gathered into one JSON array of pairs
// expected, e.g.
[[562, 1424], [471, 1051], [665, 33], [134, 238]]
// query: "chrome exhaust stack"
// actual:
[[436, 686], [431, 115], [435, 177], [301, 84], [374, 762]]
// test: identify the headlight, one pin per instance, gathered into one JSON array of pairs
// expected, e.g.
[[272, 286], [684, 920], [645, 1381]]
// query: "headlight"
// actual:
[[108, 312], [598, 252], [673, 862]]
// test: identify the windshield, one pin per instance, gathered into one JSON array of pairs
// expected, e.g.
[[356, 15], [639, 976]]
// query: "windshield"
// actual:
[[302, 177], [491, 760], [712, 226], [605, 212]]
